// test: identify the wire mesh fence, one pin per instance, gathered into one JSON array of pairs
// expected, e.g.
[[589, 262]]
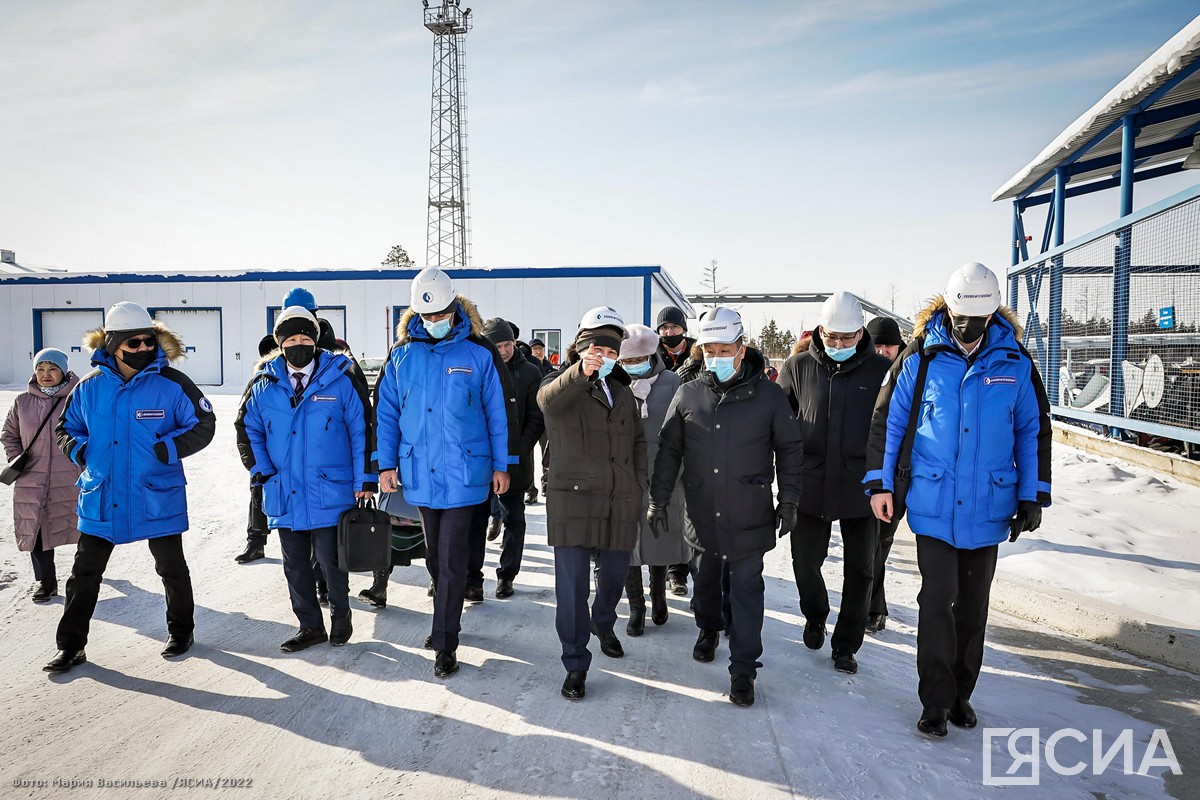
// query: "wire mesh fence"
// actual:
[[1113, 323]]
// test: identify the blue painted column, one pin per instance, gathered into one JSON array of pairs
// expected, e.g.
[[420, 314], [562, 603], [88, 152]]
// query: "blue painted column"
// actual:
[[1054, 302], [1121, 262]]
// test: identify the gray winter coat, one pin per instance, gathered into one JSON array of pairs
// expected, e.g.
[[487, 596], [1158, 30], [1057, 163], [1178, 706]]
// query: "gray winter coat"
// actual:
[[730, 440], [669, 548], [598, 472], [45, 494]]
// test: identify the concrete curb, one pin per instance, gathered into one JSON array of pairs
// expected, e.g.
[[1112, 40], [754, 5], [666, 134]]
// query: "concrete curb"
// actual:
[[1154, 638], [1176, 466]]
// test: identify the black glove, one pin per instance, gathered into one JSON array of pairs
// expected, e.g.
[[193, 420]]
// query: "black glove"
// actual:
[[160, 450], [258, 479], [785, 518], [1028, 518], [656, 518]]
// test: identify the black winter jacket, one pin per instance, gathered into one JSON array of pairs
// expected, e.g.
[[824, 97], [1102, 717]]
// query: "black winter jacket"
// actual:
[[730, 440], [526, 377], [834, 402]]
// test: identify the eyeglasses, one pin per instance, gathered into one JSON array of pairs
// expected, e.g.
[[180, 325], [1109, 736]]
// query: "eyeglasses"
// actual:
[[138, 342], [839, 339]]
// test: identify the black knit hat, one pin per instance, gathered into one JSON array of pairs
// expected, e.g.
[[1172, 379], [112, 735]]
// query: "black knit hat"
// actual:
[[885, 331], [498, 331], [671, 315]]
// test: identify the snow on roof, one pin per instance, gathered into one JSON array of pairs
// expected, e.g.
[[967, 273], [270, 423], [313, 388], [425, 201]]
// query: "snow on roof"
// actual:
[[10, 268], [1179, 52]]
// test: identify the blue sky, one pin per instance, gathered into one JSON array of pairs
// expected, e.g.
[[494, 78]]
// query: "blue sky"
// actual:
[[805, 146]]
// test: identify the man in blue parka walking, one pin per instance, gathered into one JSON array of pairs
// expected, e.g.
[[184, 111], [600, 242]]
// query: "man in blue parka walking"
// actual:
[[443, 424], [304, 434], [129, 423], [980, 472]]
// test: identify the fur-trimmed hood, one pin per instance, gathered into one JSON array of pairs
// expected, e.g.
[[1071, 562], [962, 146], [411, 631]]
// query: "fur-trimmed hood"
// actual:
[[938, 305], [468, 308], [168, 341]]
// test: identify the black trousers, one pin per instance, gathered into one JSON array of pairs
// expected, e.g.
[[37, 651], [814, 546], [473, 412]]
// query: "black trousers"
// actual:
[[257, 526], [43, 562], [300, 550], [745, 593], [512, 547], [446, 542], [572, 584], [83, 587], [887, 535], [810, 547], [477, 541], [955, 589]]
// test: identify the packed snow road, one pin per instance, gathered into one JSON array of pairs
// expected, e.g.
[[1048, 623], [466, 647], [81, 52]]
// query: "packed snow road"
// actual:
[[239, 718]]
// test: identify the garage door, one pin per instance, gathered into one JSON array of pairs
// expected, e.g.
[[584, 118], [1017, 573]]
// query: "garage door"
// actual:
[[64, 330], [200, 330], [336, 315]]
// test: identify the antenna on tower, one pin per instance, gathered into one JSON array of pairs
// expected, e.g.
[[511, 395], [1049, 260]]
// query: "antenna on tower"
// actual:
[[448, 242]]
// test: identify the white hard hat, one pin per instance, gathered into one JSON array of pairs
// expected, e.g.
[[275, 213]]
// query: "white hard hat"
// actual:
[[973, 290], [600, 317], [127, 316], [720, 326], [841, 313], [432, 291], [296, 320]]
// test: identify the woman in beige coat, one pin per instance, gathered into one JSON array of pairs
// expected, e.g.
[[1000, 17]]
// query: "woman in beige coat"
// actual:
[[44, 494]]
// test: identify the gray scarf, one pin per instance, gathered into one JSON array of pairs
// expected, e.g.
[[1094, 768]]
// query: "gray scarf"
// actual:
[[641, 390], [50, 391]]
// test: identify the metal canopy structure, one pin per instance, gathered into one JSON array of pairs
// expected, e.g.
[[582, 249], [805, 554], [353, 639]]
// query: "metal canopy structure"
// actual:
[[1140, 130], [448, 243], [724, 299]]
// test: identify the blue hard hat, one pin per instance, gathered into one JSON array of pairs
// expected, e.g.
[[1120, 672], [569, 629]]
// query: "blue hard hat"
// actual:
[[300, 297]]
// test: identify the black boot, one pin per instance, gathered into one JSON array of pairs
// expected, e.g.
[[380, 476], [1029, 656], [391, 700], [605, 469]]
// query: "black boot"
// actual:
[[637, 602], [323, 593], [253, 552], [575, 686], [962, 715], [610, 645], [933, 721], [377, 594], [340, 629], [44, 590], [65, 659], [706, 646], [658, 595]]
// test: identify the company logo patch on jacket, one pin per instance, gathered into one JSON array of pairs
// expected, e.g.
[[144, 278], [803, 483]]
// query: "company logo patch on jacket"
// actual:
[[150, 413], [999, 379], [459, 371], [324, 398], [205, 406]]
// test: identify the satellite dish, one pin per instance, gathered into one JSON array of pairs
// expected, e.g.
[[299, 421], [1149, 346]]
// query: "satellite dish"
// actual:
[[1154, 381]]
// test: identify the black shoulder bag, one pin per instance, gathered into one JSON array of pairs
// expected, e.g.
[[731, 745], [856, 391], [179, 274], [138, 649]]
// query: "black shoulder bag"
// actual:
[[15, 467], [903, 475]]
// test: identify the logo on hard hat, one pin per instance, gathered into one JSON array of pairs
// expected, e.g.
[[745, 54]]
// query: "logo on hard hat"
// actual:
[[427, 297]]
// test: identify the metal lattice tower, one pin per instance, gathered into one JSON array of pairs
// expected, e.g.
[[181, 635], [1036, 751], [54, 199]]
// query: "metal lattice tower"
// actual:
[[448, 242]]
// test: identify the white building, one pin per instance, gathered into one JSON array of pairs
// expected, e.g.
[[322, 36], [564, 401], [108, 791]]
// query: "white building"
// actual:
[[221, 316]]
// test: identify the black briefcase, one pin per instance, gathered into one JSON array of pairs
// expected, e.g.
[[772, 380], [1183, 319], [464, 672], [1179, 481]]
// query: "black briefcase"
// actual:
[[364, 538]]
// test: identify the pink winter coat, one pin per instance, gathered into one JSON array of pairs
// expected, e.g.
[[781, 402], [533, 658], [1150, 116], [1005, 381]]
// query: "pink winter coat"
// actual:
[[44, 495]]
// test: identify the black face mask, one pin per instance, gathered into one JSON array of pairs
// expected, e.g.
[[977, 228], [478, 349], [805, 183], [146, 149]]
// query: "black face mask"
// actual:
[[969, 329], [672, 341], [300, 355], [138, 360]]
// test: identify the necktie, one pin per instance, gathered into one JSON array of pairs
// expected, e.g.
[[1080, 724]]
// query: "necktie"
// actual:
[[298, 377]]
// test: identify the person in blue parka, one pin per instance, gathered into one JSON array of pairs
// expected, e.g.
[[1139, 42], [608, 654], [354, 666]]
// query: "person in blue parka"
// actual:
[[443, 423], [304, 434], [980, 473], [128, 423]]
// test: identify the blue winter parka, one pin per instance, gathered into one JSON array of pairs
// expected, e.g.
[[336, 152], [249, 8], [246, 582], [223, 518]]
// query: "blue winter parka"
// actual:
[[312, 451], [443, 412], [130, 436], [983, 437]]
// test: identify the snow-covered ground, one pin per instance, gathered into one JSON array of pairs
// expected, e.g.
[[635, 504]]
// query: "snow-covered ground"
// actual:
[[369, 720]]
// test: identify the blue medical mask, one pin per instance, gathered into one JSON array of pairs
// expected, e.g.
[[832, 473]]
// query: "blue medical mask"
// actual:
[[840, 353], [720, 366], [637, 370], [606, 367], [439, 329]]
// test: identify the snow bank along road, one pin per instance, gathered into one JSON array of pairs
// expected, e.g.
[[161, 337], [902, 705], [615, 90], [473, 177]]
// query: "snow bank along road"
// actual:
[[369, 720]]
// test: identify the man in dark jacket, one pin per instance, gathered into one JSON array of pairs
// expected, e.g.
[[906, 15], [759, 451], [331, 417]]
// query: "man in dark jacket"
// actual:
[[525, 379], [129, 423], [885, 335], [674, 348], [979, 473], [730, 431], [832, 388]]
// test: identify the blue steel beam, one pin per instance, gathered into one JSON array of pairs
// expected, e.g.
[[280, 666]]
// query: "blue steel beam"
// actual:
[[1054, 332], [1107, 183]]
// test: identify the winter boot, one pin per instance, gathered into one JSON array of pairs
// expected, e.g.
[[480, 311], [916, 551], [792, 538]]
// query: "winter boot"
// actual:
[[340, 629], [377, 594], [706, 646], [637, 602], [44, 590], [323, 593], [658, 595]]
